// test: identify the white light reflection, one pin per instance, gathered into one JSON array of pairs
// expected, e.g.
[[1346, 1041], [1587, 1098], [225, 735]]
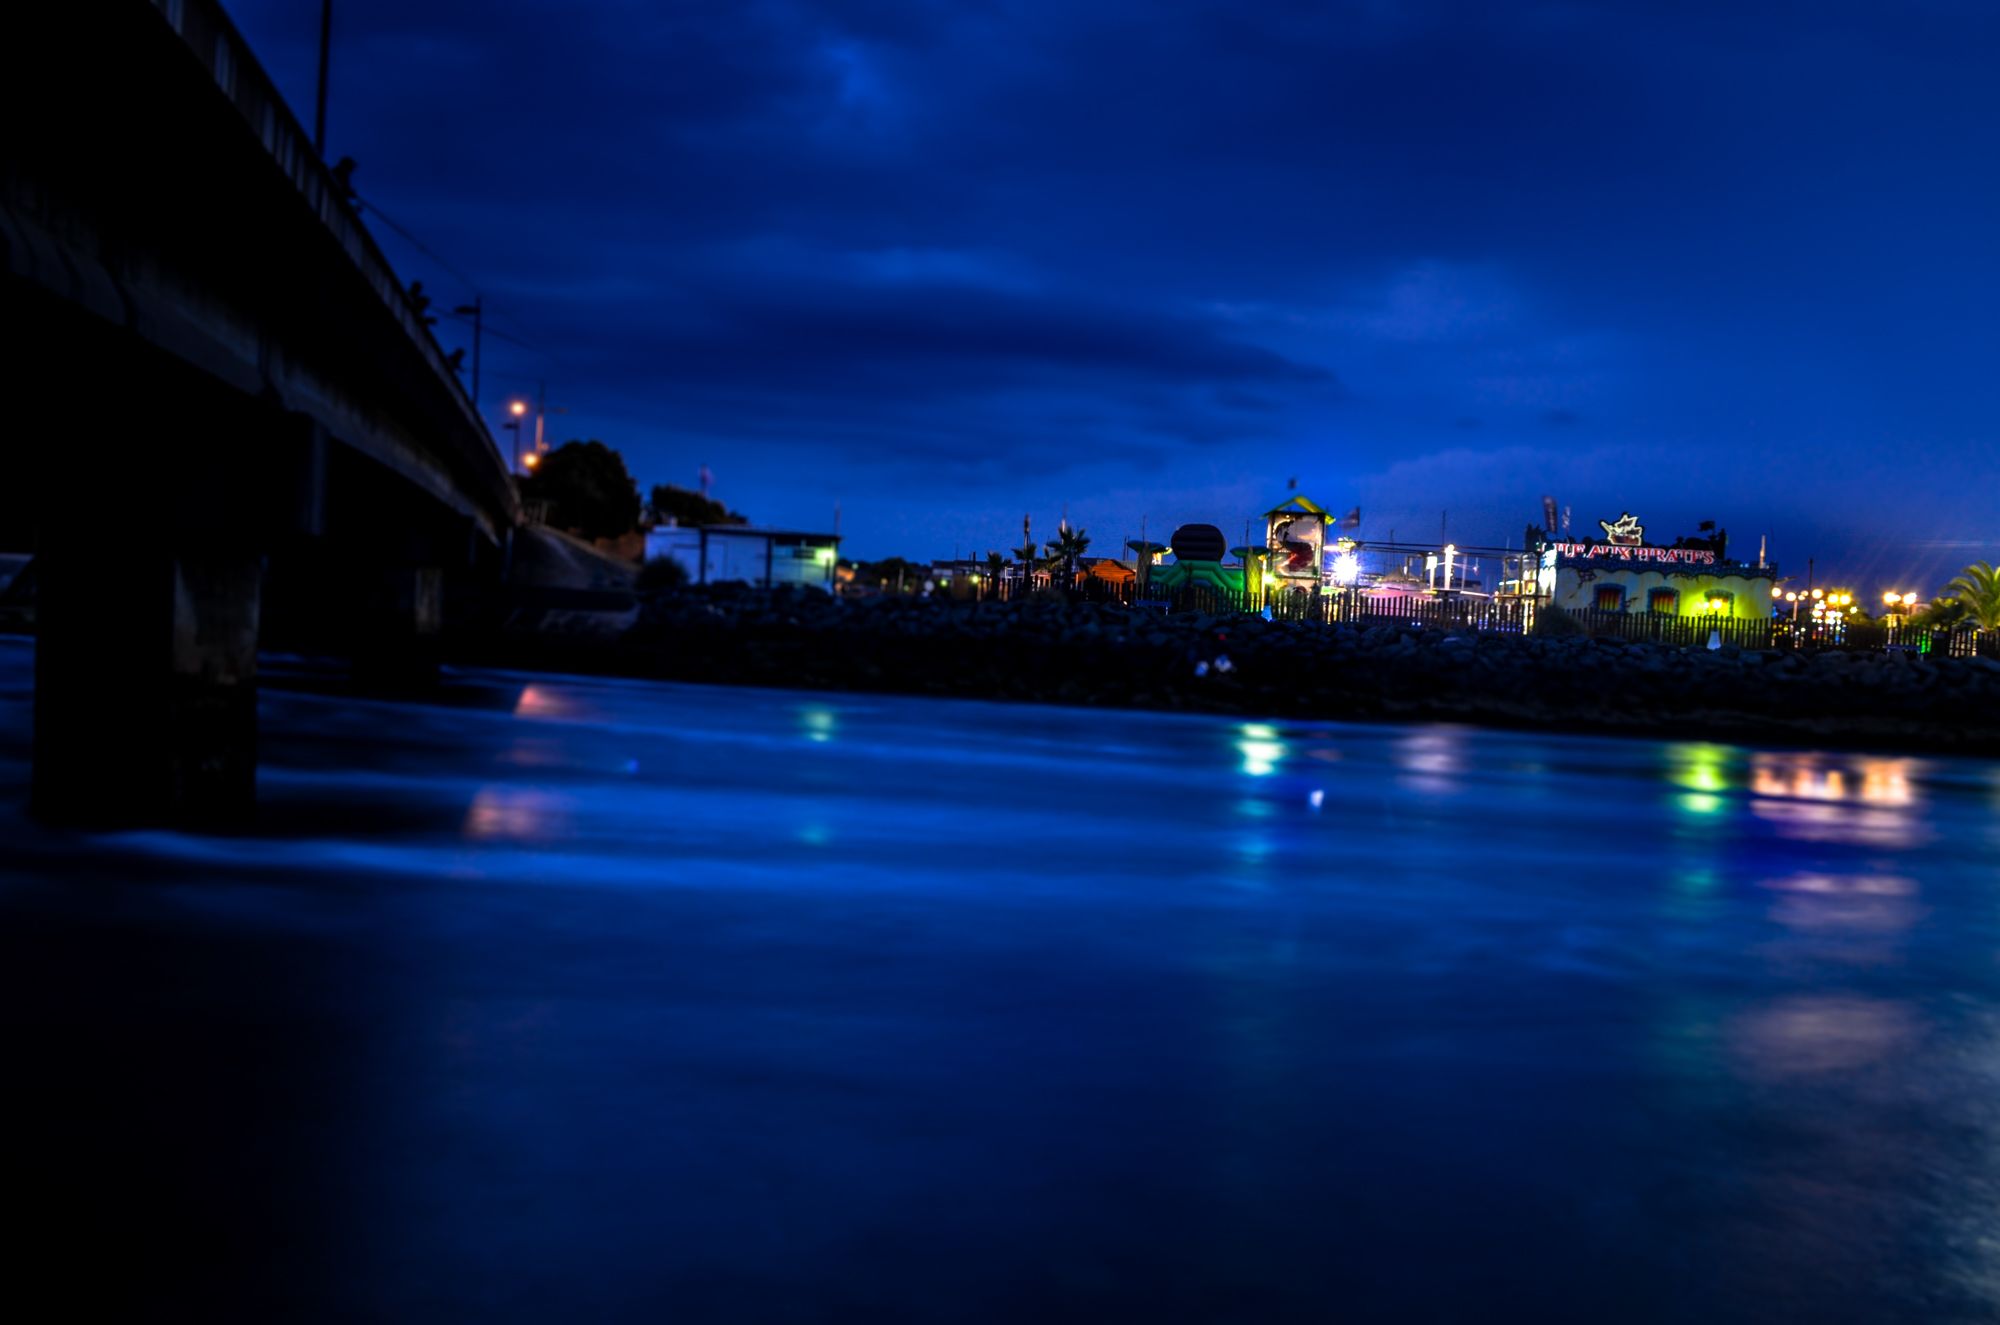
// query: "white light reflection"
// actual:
[[1846, 906], [1814, 1034], [1431, 761], [1261, 749]]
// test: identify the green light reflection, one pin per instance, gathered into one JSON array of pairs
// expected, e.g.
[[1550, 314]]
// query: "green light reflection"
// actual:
[[819, 721]]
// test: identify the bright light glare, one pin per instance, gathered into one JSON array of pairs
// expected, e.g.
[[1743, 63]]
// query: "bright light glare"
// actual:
[[1261, 749], [1260, 758]]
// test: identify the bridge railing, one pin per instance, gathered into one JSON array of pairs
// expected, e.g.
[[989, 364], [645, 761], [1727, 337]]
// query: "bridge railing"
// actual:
[[208, 32]]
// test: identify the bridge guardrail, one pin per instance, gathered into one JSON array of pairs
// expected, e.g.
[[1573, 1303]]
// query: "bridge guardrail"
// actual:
[[213, 39]]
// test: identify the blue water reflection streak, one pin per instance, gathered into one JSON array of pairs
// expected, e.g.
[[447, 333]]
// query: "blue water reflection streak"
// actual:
[[659, 1001]]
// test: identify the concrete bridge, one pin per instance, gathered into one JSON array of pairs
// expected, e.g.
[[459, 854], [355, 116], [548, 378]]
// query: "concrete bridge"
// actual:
[[232, 423]]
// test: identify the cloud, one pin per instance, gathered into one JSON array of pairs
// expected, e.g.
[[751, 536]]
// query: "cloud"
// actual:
[[845, 242]]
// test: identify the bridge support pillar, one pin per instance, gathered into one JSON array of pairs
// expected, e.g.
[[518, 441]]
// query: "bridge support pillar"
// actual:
[[400, 628], [145, 684]]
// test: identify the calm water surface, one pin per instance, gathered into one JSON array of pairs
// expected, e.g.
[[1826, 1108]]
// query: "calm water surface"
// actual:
[[564, 999]]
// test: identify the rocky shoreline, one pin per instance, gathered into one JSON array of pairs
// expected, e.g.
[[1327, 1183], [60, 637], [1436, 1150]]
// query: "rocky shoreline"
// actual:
[[1105, 654]]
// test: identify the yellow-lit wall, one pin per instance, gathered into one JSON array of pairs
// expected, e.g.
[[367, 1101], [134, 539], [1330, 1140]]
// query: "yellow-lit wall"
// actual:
[[1576, 589]]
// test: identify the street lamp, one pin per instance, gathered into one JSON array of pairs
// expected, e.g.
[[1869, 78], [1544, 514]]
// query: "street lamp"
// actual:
[[1899, 605], [517, 410], [513, 425]]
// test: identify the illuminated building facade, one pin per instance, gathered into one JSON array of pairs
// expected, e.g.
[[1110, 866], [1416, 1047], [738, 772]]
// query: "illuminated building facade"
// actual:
[[1621, 572]]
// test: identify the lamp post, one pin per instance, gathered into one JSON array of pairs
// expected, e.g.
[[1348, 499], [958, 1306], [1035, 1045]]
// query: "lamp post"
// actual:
[[517, 410], [475, 312], [1830, 611], [1900, 606], [319, 94]]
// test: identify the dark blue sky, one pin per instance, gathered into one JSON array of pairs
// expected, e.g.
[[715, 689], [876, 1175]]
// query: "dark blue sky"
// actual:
[[945, 263]]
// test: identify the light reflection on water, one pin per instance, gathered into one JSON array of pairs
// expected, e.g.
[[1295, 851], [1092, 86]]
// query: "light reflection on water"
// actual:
[[876, 989], [1865, 800]]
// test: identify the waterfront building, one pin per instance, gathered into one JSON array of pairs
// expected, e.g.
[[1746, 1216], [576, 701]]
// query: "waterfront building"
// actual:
[[1110, 570], [1621, 572], [717, 553]]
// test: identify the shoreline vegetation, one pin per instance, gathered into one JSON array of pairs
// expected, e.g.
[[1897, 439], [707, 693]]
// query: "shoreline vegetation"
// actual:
[[1048, 650]]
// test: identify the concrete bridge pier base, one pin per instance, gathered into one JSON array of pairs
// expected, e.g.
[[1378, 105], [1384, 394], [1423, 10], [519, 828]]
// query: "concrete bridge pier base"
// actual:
[[398, 640], [146, 685]]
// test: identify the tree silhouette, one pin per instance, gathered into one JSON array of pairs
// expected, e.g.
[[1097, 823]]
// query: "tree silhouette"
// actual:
[[1067, 551], [685, 506], [588, 490]]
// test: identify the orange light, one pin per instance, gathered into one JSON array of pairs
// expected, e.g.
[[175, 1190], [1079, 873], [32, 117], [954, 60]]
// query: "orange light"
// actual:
[[531, 460], [517, 407]]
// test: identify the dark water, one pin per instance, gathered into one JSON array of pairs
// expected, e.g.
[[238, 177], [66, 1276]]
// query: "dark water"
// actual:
[[588, 1000]]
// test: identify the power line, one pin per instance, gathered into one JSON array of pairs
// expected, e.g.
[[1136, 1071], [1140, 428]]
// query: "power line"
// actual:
[[362, 204]]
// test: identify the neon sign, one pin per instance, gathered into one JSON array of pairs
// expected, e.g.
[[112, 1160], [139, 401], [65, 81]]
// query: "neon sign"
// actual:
[[1625, 530], [1699, 556]]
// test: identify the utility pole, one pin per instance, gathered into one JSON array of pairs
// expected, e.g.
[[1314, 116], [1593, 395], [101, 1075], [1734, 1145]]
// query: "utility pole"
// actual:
[[319, 101], [476, 311]]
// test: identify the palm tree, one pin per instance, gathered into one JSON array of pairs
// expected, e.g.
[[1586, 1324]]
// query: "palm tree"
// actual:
[[996, 567], [1067, 550], [1978, 589], [1027, 552]]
